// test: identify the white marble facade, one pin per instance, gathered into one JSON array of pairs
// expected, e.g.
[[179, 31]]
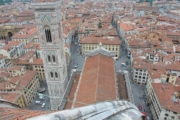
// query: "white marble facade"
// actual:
[[48, 21]]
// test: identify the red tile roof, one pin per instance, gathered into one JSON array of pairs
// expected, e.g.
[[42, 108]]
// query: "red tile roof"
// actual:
[[173, 34], [70, 97], [174, 66], [19, 114], [38, 61], [164, 93], [27, 77], [32, 46], [25, 33], [10, 97], [11, 44], [108, 40], [127, 27], [97, 81]]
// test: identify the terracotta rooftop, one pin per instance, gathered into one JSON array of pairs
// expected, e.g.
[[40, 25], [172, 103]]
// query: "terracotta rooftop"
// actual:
[[174, 66], [164, 93], [19, 114], [108, 40], [27, 77], [76, 20], [127, 27], [15, 68], [10, 97], [173, 33], [25, 33], [97, 81], [38, 61], [27, 55], [70, 97], [32, 46], [11, 44], [177, 81]]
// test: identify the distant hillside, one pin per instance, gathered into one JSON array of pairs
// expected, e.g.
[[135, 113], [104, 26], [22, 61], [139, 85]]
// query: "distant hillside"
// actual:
[[2, 2], [26, 0]]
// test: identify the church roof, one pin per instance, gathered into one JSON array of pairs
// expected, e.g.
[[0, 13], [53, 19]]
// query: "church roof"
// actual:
[[97, 81]]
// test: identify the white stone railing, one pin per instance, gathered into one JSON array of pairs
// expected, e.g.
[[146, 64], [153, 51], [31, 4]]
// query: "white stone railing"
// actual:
[[112, 110], [128, 86]]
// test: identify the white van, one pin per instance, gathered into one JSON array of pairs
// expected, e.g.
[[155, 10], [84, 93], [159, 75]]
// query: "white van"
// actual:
[[43, 104], [123, 64]]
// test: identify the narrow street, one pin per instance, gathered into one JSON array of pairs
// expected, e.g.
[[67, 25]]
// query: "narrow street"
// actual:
[[76, 58], [138, 91]]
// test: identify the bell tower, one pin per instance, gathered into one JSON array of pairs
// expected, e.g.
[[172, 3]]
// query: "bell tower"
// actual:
[[48, 22]]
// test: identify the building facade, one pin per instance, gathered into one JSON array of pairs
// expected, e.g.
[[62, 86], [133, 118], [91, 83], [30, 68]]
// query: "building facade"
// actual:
[[111, 44], [2, 61], [15, 98], [48, 20], [38, 66], [140, 75], [18, 85], [26, 35], [162, 109]]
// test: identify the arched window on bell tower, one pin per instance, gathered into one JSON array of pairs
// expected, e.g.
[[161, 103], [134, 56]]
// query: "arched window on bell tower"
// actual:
[[53, 58], [56, 75], [51, 73], [47, 31], [49, 58]]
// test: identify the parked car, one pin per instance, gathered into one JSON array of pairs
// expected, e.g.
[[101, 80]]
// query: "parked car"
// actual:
[[41, 97], [43, 104], [39, 94], [38, 102]]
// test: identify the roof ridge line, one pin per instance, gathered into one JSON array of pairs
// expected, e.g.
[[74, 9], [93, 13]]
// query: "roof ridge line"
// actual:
[[97, 76]]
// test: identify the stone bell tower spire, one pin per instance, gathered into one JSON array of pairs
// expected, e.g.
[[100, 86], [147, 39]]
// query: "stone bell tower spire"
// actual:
[[48, 22]]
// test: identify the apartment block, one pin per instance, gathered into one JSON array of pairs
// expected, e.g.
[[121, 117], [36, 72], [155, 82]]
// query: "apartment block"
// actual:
[[26, 35], [13, 49], [19, 84]]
